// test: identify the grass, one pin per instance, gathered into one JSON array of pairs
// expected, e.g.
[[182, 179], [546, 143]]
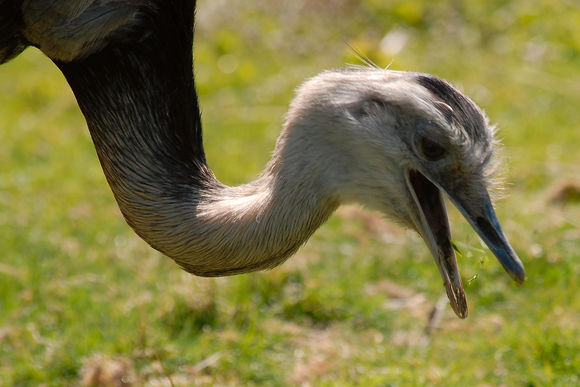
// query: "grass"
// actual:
[[83, 300]]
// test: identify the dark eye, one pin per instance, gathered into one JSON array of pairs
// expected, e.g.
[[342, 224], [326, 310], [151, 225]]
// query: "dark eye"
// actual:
[[430, 150]]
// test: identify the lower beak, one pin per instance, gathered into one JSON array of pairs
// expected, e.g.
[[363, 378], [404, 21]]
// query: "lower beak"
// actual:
[[433, 226]]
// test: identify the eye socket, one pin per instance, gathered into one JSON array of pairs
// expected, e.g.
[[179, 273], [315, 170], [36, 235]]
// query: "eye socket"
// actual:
[[430, 150]]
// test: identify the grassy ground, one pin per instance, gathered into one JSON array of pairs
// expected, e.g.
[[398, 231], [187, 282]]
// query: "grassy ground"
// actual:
[[83, 300]]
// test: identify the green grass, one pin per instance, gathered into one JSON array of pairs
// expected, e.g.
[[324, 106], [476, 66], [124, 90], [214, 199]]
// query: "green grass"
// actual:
[[79, 291]]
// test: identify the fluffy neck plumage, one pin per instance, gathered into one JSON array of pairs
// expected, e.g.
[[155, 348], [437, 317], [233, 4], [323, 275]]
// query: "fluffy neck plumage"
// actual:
[[141, 108]]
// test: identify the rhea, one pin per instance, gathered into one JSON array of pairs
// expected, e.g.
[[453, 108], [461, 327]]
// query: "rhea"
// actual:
[[394, 141]]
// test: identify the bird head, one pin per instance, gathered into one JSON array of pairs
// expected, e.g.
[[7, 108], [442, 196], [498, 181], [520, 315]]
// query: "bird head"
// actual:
[[407, 140]]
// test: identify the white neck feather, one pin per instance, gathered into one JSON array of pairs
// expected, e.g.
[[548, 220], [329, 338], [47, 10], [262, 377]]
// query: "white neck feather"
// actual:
[[257, 226], [229, 230]]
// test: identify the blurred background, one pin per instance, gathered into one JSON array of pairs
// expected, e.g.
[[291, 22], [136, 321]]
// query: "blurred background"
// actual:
[[83, 300]]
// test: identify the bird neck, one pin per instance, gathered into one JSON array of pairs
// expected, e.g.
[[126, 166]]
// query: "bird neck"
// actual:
[[141, 108], [255, 226]]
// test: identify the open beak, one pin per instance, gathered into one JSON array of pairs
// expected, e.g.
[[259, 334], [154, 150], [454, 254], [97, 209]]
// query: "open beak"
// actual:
[[434, 228], [433, 225]]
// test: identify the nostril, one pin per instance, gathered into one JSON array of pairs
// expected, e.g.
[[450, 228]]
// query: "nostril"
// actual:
[[487, 228]]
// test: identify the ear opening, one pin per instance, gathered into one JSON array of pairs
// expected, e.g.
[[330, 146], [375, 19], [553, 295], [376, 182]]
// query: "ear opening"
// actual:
[[370, 106]]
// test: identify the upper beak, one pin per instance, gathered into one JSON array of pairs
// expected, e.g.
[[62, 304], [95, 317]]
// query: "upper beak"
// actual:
[[483, 219], [433, 225]]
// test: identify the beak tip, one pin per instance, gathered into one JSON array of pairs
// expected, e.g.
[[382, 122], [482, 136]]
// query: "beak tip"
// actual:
[[516, 270], [462, 314], [520, 277], [457, 300], [510, 262]]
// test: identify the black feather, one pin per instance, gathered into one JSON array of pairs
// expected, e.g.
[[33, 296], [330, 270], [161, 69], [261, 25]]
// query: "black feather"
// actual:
[[465, 112], [139, 84]]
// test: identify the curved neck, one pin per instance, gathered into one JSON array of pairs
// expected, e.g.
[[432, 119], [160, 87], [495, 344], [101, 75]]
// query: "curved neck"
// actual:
[[141, 108]]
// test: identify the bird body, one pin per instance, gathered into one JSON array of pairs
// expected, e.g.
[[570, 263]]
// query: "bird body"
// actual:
[[394, 141]]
